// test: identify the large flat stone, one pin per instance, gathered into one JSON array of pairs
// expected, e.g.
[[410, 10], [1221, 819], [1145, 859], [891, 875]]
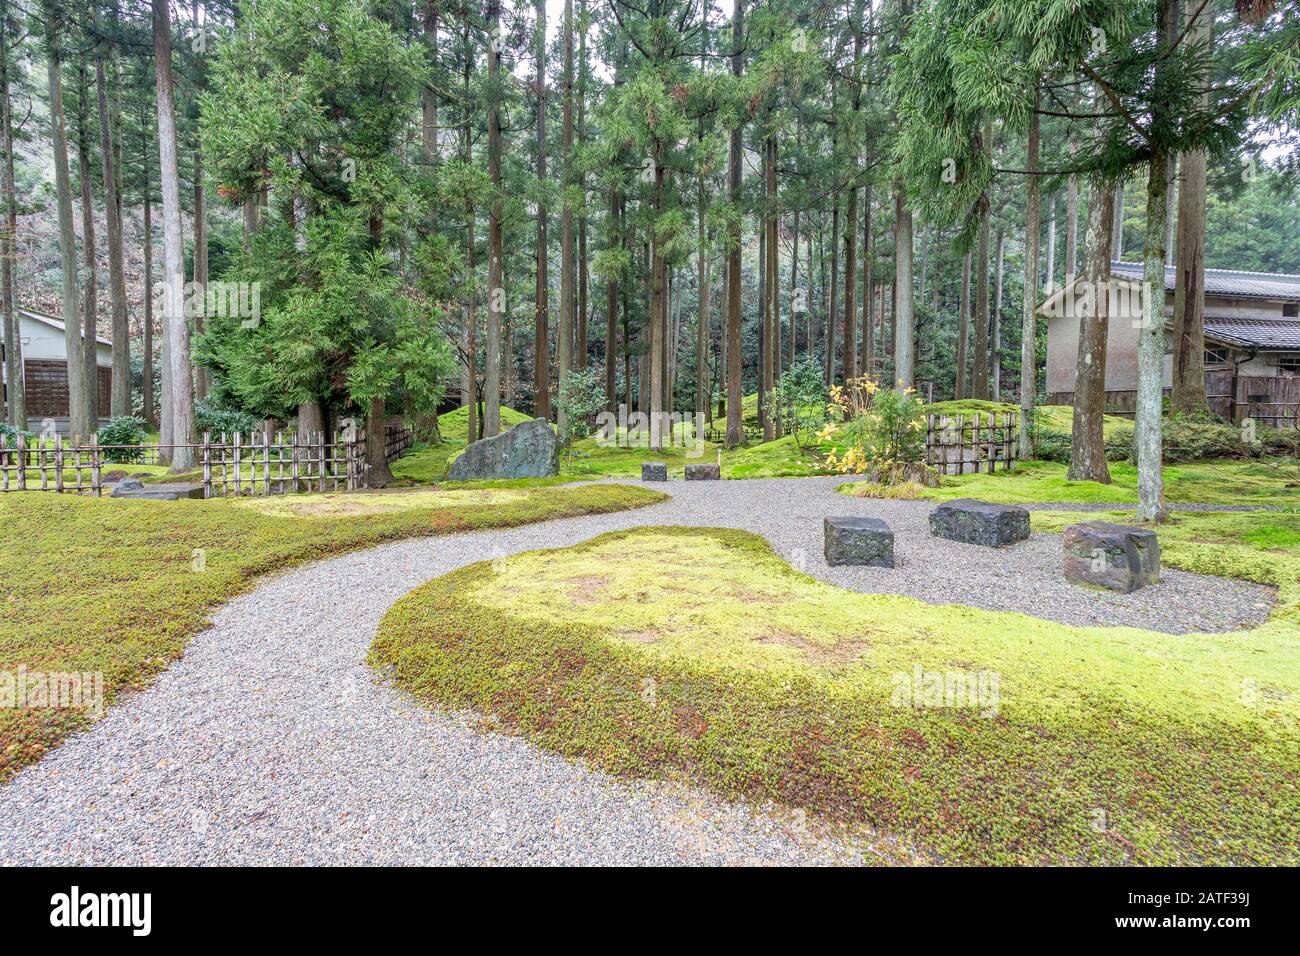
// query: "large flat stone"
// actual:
[[174, 491], [1117, 557], [862, 541], [703, 472], [529, 450], [654, 471], [978, 522]]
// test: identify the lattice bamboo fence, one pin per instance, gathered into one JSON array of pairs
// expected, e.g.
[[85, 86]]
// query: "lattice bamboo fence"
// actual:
[[967, 444], [260, 463]]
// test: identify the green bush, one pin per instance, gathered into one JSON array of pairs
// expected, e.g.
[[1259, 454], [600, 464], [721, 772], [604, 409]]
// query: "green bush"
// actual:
[[801, 397], [9, 435], [209, 417], [126, 430]]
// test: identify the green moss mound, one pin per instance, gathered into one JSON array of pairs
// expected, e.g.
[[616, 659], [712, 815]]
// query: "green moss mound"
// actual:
[[699, 653], [119, 587]]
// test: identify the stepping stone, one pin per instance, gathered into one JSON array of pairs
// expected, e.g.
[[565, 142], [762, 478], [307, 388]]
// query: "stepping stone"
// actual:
[[1117, 557], [860, 541], [978, 522], [654, 471], [703, 473]]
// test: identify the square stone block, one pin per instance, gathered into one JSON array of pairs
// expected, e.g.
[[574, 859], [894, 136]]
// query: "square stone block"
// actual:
[[1117, 557], [856, 540], [978, 522], [654, 471], [703, 472]]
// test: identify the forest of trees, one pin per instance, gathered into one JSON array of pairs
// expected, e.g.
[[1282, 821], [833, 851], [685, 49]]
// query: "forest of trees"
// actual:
[[369, 207]]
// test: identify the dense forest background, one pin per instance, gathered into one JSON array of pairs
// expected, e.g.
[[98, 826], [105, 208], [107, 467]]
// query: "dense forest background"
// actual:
[[439, 201]]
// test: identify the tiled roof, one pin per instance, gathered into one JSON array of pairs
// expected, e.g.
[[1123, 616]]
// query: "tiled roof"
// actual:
[[1268, 334], [1228, 282]]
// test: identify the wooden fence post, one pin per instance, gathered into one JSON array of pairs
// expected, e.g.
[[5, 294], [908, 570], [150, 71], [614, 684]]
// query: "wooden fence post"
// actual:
[[22, 462], [58, 463], [94, 465], [207, 465]]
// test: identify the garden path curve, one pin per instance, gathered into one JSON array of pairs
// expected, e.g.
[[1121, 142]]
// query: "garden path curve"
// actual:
[[269, 741]]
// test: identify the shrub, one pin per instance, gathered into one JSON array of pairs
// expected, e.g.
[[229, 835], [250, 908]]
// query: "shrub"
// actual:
[[125, 430], [883, 431], [209, 417], [580, 396], [801, 397], [9, 435]]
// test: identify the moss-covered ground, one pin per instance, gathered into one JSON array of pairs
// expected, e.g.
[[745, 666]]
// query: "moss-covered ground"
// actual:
[[699, 654], [782, 458], [1223, 482], [118, 587]]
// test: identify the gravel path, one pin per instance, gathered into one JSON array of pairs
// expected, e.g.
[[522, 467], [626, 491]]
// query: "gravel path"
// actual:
[[270, 742]]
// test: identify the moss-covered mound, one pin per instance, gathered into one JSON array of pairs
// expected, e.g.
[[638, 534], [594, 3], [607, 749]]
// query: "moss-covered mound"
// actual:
[[977, 736], [117, 587], [1263, 482]]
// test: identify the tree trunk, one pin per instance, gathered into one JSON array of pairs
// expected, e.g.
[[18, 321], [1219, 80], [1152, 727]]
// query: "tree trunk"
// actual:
[[180, 407], [735, 431], [849, 344], [904, 321], [376, 450], [1087, 444], [541, 335], [1189, 288], [90, 297], [772, 311], [16, 407], [658, 317], [201, 375], [834, 279], [1148, 427], [81, 423], [611, 313], [564, 347], [1051, 245], [150, 413], [311, 423], [980, 356], [473, 422], [963, 329], [1029, 301], [496, 291], [121, 393], [702, 383], [1072, 218], [868, 351], [1117, 243], [584, 277], [428, 95], [795, 293], [996, 335]]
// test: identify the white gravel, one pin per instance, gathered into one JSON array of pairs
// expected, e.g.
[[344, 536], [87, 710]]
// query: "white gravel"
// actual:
[[269, 741]]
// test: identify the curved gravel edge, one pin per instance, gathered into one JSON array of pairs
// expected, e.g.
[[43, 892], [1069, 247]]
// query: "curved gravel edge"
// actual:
[[269, 741]]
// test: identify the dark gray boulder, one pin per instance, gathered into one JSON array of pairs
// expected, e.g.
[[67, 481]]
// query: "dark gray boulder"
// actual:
[[529, 450], [703, 472], [654, 471], [1117, 557], [135, 488], [864, 541], [978, 522]]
